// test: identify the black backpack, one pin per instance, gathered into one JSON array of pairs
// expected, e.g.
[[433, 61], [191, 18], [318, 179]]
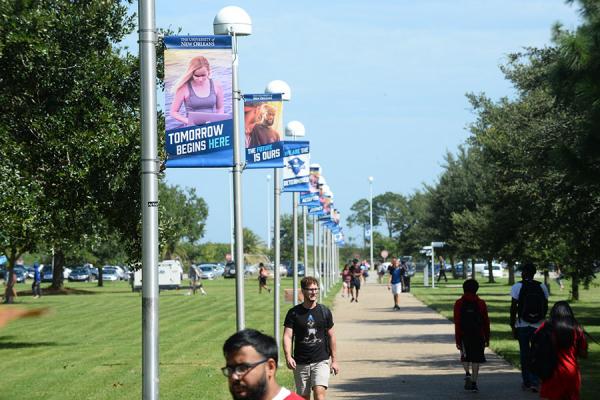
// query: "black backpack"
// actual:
[[533, 304], [542, 358], [470, 319]]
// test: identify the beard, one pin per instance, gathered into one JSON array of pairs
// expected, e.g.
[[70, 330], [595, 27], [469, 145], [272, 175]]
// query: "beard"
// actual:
[[255, 392]]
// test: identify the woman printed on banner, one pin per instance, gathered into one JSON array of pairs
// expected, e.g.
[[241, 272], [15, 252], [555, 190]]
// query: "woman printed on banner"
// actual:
[[197, 91]]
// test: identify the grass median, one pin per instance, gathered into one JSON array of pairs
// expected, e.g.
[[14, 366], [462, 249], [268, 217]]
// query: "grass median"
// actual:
[[497, 297], [89, 345]]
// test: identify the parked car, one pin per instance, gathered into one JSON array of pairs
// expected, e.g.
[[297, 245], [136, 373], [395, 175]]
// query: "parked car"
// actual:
[[110, 274], [81, 274], [207, 271], [497, 271], [301, 270], [47, 273], [219, 270], [458, 270], [21, 274], [251, 269]]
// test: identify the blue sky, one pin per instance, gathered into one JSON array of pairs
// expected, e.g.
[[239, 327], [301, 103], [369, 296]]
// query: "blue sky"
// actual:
[[379, 85]]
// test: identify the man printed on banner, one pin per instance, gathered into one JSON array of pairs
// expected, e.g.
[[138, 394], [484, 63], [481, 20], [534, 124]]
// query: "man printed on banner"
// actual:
[[266, 127]]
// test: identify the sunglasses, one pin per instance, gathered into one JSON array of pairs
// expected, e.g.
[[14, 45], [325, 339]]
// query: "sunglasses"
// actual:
[[200, 75]]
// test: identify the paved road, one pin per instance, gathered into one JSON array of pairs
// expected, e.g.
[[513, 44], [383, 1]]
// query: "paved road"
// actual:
[[407, 354]]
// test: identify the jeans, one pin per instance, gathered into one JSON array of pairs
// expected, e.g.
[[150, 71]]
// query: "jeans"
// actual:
[[524, 335]]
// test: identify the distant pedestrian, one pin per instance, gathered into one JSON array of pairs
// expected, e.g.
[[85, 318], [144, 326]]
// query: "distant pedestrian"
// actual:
[[195, 280], [251, 365], [263, 274], [527, 312], [310, 326], [395, 282], [381, 271], [405, 276], [364, 267], [37, 280], [569, 344], [356, 273], [559, 277], [471, 332], [346, 278], [442, 270]]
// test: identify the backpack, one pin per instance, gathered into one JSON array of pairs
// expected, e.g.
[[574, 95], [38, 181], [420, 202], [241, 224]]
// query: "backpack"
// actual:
[[533, 304], [470, 319], [542, 358]]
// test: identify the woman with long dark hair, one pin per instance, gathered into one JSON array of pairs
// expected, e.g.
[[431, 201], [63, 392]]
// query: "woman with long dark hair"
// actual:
[[570, 343]]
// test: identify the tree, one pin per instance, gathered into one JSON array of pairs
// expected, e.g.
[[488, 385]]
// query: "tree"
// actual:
[[392, 209], [183, 217], [252, 242], [69, 105]]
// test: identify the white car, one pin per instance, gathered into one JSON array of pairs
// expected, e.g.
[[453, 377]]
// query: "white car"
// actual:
[[497, 271], [207, 271]]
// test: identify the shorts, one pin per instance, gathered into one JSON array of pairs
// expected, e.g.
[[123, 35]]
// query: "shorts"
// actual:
[[472, 350], [396, 288], [346, 284], [310, 375], [262, 280], [355, 283]]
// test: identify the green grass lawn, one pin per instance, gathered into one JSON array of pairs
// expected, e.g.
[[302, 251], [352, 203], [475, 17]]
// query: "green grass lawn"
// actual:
[[497, 297], [89, 347]]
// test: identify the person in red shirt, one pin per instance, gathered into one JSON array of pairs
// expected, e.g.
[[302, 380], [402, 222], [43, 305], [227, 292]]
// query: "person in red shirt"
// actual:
[[570, 343], [471, 332], [251, 365]]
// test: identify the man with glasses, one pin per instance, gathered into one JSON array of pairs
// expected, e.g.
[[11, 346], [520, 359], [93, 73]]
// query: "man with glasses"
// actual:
[[251, 364], [310, 327]]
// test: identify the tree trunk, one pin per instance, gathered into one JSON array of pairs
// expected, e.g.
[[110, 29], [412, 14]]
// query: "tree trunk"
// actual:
[[473, 272], [465, 268], [511, 272], [491, 272], [100, 278], [57, 273], [575, 286]]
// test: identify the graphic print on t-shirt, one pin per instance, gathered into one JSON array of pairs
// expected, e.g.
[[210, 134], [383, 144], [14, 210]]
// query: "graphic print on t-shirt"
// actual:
[[311, 334]]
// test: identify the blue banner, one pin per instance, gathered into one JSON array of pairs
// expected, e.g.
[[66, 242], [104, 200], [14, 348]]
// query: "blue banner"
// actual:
[[296, 161], [198, 101], [263, 128], [309, 199]]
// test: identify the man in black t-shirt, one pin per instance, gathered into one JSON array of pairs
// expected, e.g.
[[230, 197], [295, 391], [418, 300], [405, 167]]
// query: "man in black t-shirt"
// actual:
[[310, 326]]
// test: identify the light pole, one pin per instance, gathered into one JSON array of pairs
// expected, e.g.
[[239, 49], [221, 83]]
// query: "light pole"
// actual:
[[277, 86], [150, 169], [234, 21], [371, 219], [295, 129], [268, 211]]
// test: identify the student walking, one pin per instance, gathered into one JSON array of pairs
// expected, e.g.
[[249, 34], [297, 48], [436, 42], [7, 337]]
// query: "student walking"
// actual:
[[346, 278], [263, 274], [355, 281], [569, 344], [310, 327], [527, 312], [395, 282], [471, 332], [442, 270], [251, 366], [36, 290]]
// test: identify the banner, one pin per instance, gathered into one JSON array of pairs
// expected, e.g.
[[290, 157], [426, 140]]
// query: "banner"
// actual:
[[296, 161], [198, 101], [263, 127], [311, 198]]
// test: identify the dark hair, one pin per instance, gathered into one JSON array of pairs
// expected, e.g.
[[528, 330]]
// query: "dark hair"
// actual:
[[265, 345], [563, 324], [261, 265], [308, 280], [528, 270], [470, 286]]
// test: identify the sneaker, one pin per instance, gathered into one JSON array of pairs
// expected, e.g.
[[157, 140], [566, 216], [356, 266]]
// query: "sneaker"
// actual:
[[352, 300], [468, 382], [534, 389], [474, 387], [396, 307]]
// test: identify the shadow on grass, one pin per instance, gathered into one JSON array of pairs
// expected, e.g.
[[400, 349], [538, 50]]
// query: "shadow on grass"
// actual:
[[24, 345], [61, 291]]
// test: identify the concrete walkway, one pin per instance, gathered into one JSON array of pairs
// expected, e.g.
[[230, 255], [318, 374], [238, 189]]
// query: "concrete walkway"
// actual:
[[407, 354]]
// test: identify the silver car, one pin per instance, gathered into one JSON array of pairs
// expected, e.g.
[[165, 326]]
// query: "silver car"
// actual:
[[207, 271]]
